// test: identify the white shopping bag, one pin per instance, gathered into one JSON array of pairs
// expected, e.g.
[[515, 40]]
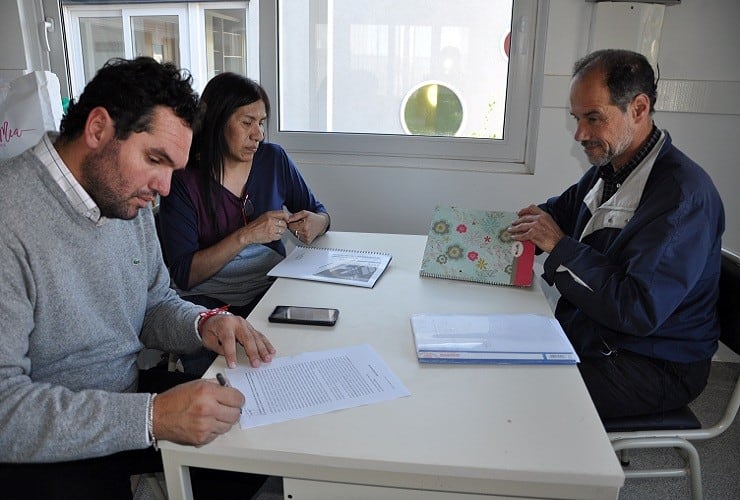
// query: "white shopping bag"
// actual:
[[29, 106]]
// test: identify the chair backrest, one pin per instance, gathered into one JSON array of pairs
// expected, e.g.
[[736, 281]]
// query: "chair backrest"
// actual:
[[729, 301]]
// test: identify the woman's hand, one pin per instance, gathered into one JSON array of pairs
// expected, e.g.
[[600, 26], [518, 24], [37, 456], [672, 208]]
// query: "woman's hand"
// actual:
[[268, 227], [308, 225]]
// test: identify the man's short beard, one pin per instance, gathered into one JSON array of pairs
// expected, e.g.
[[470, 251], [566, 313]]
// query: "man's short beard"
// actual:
[[101, 173]]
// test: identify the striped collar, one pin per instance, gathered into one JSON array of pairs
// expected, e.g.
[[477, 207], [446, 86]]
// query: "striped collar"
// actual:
[[82, 203]]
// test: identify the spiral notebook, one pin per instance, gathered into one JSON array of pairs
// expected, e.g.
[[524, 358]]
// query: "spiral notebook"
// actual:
[[333, 265], [475, 245]]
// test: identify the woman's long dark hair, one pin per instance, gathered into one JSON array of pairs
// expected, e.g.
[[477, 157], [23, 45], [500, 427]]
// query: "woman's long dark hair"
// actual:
[[222, 96]]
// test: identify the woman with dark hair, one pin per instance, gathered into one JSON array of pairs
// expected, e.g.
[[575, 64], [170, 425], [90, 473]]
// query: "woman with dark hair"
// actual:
[[222, 223]]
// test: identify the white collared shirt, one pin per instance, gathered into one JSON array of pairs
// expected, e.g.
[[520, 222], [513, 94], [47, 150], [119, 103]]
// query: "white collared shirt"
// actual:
[[76, 194]]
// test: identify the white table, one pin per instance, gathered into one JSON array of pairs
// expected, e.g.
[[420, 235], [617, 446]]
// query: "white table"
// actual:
[[466, 430]]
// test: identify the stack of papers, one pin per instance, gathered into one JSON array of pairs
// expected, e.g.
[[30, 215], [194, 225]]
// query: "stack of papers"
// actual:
[[496, 338], [312, 383]]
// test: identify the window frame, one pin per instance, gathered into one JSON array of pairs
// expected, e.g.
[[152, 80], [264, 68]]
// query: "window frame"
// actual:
[[191, 19], [125, 12], [513, 154]]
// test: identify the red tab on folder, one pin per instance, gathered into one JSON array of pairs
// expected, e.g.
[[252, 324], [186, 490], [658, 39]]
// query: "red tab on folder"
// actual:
[[523, 265]]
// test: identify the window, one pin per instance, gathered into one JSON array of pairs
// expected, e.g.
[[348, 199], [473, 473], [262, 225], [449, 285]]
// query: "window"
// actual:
[[101, 38], [419, 83], [226, 41], [204, 37]]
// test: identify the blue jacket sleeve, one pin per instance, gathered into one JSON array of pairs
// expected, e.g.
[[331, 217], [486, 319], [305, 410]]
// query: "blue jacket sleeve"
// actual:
[[652, 266]]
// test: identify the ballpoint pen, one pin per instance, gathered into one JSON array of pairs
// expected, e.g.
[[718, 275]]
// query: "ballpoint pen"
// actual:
[[224, 383], [222, 380]]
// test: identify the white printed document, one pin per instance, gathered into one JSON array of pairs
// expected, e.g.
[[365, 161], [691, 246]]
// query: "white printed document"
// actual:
[[312, 383], [346, 267], [494, 338]]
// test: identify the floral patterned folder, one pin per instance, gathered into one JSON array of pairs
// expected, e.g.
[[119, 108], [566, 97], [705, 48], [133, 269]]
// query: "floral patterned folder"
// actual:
[[475, 245]]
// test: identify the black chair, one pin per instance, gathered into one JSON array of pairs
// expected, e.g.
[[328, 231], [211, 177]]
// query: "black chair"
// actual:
[[676, 429]]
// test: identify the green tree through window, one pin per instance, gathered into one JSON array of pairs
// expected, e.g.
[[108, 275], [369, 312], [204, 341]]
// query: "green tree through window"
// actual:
[[432, 109]]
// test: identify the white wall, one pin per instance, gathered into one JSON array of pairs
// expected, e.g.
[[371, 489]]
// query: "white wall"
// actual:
[[13, 60], [22, 39], [698, 63], [698, 57]]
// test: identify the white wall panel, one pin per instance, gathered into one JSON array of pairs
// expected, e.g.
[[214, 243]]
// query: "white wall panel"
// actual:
[[699, 103], [703, 122]]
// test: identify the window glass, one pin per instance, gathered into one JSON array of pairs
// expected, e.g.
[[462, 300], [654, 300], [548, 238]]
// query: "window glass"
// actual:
[[157, 37], [418, 83], [206, 38], [101, 39], [432, 109], [226, 41], [358, 66]]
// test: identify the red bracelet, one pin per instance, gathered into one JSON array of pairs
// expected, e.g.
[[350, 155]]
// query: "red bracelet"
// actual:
[[203, 317]]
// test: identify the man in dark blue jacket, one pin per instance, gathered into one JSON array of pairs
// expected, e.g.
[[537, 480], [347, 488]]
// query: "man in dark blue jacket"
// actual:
[[634, 246]]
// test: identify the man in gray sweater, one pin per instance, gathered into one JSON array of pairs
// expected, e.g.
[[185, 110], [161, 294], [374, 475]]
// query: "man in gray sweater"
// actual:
[[84, 289]]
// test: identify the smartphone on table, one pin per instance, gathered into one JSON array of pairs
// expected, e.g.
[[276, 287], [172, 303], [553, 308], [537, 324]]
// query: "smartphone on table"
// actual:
[[322, 316]]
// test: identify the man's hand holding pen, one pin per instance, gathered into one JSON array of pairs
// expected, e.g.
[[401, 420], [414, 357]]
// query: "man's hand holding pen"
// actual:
[[196, 412]]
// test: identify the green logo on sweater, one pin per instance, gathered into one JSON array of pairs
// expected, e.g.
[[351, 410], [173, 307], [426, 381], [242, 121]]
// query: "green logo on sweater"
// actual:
[[137, 262]]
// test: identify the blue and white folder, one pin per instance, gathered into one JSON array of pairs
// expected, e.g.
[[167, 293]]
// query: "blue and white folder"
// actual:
[[493, 338]]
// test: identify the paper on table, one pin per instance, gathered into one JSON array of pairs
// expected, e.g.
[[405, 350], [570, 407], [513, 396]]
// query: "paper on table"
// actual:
[[502, 338], [312, 383], [333, 265]]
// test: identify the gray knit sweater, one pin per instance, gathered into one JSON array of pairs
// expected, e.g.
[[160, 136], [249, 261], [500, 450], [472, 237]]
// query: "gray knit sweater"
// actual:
[[77, 304]]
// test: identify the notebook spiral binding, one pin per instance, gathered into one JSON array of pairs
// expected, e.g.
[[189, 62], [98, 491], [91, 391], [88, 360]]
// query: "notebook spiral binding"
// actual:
[[425, 274], [328, 249]]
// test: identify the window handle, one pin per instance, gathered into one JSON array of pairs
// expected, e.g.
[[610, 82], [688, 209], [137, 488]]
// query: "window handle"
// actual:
[[45, 27]]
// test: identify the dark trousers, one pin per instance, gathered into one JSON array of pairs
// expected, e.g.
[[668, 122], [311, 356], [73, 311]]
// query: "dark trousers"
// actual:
[[626, 384], [109, 477]]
